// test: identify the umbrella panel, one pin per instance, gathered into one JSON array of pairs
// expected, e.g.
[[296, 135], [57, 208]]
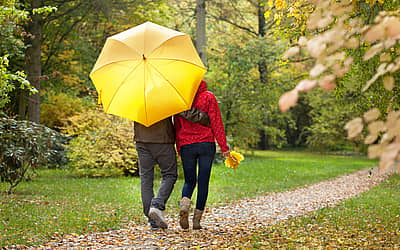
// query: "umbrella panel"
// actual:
[[148, 91]]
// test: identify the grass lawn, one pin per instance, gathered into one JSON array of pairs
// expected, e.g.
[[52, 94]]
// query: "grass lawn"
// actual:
[[54, 203], [370, 221]]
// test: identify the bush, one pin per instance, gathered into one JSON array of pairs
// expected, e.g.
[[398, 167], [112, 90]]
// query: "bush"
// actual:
[[57, 108], [24, 147], [58, 158], [102, 145]]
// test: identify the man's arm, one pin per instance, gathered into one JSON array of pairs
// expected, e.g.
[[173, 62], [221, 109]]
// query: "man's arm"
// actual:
[[197, 116]]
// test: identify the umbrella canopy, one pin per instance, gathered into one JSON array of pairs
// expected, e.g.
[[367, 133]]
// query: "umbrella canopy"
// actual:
[[147, 73]]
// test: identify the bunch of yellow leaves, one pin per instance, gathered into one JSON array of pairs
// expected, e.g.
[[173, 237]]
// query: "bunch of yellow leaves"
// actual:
[[234, 160]]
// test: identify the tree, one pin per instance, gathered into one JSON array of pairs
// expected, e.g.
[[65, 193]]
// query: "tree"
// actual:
[[201, 37], [257, 24], [57, 44]]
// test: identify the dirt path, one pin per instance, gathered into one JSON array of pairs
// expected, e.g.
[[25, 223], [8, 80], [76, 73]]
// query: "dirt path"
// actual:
[[225, 224]]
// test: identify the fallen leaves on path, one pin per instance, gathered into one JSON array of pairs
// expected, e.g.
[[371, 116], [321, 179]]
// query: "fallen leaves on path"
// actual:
[[231, 226]]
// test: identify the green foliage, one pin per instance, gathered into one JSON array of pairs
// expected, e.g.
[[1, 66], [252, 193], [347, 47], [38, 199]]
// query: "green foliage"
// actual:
[[244, 100], [103, 145], [332, 110], [58, 107], [24, 147], [44, 10], [328, 120], [11, 46], [11, 31]]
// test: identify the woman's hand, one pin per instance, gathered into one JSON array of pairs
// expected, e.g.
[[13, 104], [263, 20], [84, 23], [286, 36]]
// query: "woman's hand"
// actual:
[[226, 154]]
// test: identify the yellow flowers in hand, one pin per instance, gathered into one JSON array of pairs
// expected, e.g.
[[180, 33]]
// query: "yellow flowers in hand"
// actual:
[[234, 160]]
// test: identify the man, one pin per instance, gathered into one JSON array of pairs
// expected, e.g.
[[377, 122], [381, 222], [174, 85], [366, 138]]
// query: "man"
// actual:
[[155, 145]]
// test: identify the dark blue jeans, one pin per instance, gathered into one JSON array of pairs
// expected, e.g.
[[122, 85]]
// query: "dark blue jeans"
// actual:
[[202, 153]]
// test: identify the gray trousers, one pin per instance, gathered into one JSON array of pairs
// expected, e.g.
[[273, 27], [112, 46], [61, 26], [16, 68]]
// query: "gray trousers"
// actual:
[[164, 155]]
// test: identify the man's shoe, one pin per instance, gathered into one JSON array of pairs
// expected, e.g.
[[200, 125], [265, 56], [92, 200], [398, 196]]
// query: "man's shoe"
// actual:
[[158, 216], [153, 225]]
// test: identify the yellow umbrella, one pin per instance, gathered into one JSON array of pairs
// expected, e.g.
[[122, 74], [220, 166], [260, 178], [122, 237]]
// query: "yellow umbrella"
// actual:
[[147, 73]]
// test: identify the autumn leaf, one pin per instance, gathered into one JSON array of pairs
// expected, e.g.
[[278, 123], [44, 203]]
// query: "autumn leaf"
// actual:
[[373, 51], [376, 127], [306, 85], [372, 115], [317, 70], [291, 52], [385, 57], [327, 83], [388, 82], [354, 127], [288, 100], [393, 27], [376, 32]]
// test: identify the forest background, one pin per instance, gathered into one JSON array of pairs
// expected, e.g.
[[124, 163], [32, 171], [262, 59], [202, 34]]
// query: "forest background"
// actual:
[[48, 48]]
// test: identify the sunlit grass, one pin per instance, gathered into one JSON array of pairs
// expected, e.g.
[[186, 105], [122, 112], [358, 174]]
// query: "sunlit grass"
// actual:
[[276, 171], [55, 203]]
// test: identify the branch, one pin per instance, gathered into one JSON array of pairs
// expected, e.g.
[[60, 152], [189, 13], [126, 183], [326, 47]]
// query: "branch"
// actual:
[[51, 18], [253, 3], [235, 24], [301, 60], [62, 37]]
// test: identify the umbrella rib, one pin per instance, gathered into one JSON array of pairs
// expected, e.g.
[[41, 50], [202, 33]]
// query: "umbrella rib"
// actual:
[[125, 45], [173, 59], [96, 67], [177, 91], [167, 39], [104, 65], [116, 91]]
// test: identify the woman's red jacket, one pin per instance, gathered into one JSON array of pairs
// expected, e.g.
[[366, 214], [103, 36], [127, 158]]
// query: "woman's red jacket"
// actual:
[[188, 132]]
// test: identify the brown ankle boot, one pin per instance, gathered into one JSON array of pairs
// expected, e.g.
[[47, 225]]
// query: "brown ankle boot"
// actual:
[[184, 212], [196, 218]]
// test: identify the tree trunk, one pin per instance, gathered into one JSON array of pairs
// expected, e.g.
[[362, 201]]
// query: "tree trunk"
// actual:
[[33, 63], [262, 65], [201, 38], [263, 71], [22, 102]]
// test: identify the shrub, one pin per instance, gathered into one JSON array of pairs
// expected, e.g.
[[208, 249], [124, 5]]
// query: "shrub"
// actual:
[[57, 108], [58, 158], [24, 147], [102, 145]]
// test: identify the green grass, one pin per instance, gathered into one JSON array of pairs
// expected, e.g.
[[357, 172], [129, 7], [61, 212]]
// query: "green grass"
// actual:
[[54, 203], [277, 171], [370, 221]]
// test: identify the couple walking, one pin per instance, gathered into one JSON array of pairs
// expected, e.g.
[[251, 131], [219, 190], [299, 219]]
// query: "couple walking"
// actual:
[[194, 132]]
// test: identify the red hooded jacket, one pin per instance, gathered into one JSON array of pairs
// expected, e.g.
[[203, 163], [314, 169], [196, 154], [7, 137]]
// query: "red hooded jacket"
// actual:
[[188, 132]]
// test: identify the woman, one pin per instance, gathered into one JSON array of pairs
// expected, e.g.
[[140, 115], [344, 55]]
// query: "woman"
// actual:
[[196, 143]]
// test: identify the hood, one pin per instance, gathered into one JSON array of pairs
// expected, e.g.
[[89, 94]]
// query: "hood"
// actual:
[[202, 87]]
